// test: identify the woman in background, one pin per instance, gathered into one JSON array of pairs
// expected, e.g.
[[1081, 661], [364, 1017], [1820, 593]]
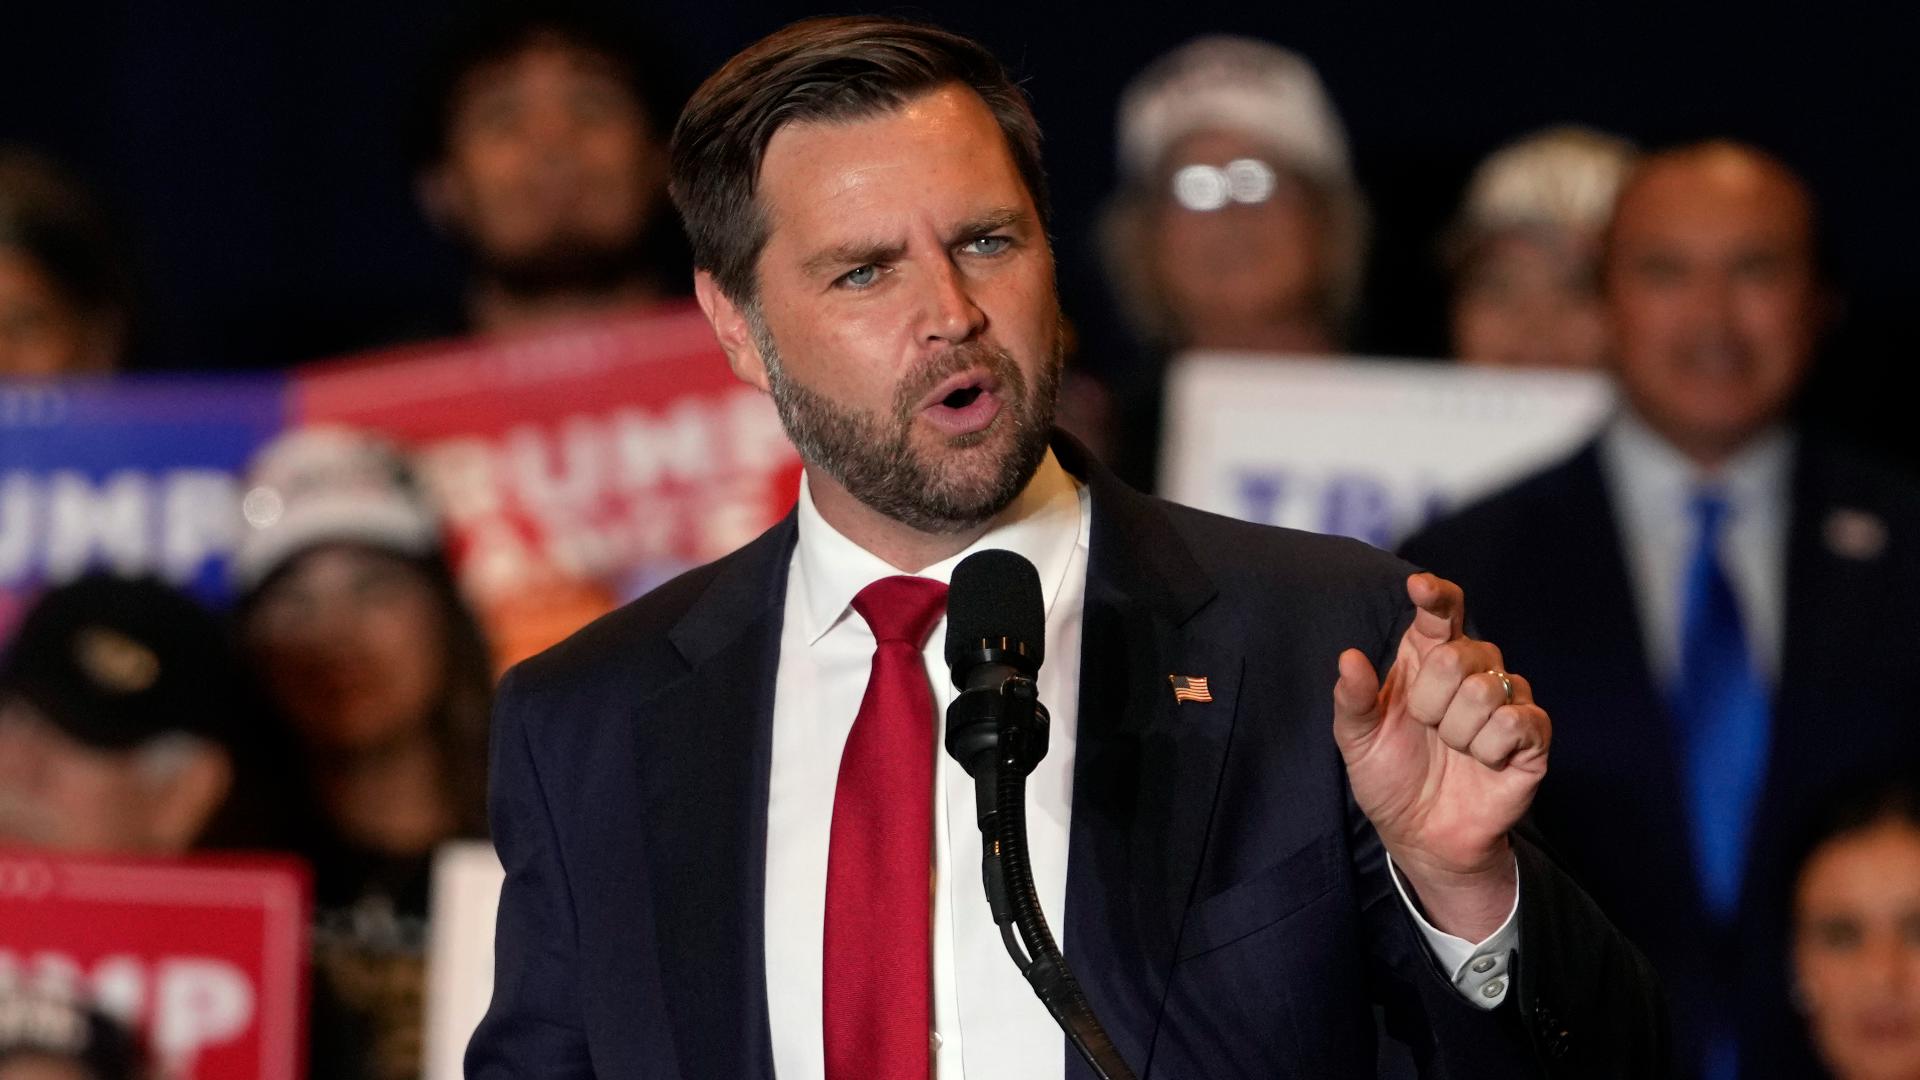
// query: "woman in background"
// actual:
[[1237, 226], [1523, 255], [353, 620], [1856, 935]]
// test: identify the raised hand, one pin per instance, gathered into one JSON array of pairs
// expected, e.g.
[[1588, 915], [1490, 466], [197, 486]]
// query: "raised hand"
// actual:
[[1443, 759]]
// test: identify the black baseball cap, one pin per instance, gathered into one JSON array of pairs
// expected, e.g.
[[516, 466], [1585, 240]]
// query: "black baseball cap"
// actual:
[[114, 662]]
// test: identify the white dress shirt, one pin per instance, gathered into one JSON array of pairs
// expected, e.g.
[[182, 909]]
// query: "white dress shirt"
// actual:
[[988, 1024], [1652, 486]]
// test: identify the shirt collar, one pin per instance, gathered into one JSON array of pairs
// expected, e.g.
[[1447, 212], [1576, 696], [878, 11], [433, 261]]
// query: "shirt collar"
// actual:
[[1651, 473], [1043, 525]]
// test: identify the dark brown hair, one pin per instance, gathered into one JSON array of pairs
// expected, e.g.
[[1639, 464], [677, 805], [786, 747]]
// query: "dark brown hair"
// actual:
[[486, 33], [828, 69]]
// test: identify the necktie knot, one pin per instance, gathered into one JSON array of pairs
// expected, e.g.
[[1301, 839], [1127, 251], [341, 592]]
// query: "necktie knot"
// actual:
[[1710, 509], [902, 608]]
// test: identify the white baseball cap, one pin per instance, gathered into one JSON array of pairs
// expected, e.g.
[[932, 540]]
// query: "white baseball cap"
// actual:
[[1239, 84], [321, 485], [1562, 177]]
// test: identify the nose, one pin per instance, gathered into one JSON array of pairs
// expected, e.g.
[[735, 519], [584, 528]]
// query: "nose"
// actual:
[[1886, 962], [1714, 305], [949, 316], [552, 128]]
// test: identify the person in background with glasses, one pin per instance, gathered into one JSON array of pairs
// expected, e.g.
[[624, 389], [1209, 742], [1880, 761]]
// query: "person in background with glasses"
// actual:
[[1237, 226]]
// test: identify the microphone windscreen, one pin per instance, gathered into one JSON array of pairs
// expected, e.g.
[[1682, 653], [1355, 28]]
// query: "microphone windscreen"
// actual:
[[995, 594]]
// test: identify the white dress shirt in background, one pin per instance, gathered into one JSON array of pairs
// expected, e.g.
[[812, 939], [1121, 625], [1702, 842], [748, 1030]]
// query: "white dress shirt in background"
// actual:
[[988, 1024], [1652, 486]]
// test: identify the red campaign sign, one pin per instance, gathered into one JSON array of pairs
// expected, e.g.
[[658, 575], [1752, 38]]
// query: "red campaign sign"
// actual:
[[576, 468], [206, 957]]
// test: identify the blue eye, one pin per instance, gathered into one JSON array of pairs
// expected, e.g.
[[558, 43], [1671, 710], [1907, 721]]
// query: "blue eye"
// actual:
[[989, 245], [861, 276]]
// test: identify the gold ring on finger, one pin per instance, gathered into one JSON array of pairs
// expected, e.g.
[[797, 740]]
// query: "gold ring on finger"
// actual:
[[1506, 684]]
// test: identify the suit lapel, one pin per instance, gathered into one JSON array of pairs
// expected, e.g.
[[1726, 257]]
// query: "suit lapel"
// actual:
[[1146, 767], [707, 813], [1842, 600]]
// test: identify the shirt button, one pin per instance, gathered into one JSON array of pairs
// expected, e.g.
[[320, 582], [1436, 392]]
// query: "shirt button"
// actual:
[[1483, 965], [1493, 988], [933, 1040]]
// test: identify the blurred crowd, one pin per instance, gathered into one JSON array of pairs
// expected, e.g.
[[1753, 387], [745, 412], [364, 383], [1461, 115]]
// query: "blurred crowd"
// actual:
[[1724, 661]]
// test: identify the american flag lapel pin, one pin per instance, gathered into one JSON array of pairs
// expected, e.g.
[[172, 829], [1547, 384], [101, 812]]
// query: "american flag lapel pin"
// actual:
[[1190, 688]]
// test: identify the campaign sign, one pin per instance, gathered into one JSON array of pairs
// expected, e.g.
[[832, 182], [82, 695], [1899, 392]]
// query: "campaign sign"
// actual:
[[576, 468], [205, 957], [135, 474], [1371, 449]]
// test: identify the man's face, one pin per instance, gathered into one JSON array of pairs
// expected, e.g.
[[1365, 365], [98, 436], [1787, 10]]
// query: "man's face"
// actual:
[[551, 170], [1713, 298], [59, 793], [906, 322]]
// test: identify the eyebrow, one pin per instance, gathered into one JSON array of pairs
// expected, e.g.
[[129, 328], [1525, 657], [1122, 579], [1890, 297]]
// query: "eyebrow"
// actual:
[[992, 221], [868, 252], [852, 253]]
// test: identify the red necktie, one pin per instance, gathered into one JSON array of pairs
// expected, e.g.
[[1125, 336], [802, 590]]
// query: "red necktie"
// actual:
[[877, 1002]]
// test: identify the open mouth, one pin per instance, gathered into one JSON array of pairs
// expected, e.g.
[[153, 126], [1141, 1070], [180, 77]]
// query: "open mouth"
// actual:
[[964, 404], [962, 397]]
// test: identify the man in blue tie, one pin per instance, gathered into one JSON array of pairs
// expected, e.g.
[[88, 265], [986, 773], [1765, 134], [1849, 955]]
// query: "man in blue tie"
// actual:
[[1735, 655]]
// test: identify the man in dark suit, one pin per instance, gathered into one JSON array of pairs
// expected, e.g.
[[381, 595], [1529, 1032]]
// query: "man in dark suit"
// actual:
[[717, 806], [1734, 654]]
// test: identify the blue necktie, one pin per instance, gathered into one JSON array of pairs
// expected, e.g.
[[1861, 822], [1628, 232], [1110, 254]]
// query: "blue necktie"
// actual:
[[1721, 705]]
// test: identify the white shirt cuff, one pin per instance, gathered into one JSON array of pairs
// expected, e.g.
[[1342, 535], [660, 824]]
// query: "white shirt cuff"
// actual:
[[1479, 972]]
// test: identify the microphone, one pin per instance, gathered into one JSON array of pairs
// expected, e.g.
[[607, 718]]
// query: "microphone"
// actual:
[[997, 730], [995, 618], [996, 639]]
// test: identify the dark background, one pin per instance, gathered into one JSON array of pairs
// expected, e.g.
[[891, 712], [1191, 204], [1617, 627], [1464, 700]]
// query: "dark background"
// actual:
[[255, 154]]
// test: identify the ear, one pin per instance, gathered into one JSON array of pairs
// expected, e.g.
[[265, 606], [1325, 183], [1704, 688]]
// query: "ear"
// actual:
[[730, 326], [186, 800]]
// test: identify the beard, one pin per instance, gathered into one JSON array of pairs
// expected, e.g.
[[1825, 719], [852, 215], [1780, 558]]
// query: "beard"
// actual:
[[565, 265], [958, 487], [577, 261]]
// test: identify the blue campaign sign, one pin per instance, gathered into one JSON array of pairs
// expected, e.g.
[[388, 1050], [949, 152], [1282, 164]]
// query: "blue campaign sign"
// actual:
[[137, 474]]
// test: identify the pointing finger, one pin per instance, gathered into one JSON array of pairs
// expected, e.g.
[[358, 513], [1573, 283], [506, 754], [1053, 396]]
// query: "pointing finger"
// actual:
[[1441, 608]]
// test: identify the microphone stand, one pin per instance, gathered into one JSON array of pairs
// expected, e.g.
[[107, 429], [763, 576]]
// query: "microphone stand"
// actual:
[[998, 732]]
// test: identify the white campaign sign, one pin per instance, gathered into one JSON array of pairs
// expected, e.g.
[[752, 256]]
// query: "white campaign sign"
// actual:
[[1366, 448], [466, 894]]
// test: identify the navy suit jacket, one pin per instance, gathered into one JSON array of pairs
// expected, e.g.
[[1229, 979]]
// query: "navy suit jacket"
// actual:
[[1844, 708], [1228, 909]]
